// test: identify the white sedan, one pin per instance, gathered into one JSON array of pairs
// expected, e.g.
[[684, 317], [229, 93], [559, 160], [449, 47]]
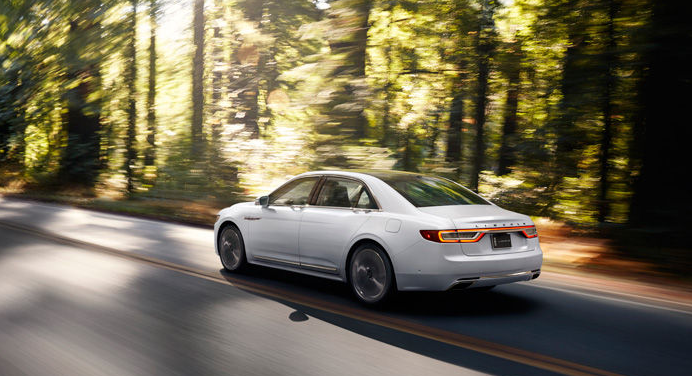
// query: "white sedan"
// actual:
[[381, 231]]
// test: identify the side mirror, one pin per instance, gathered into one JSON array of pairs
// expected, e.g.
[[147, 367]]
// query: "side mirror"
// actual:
[[264, 201]]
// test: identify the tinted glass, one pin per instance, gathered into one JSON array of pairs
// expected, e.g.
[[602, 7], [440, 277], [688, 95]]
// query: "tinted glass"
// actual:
[[365, 201], [296, 192], [431, 191], [343, 193]]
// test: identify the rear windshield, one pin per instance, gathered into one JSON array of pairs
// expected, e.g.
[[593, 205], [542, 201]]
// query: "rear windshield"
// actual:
[[431, 191]]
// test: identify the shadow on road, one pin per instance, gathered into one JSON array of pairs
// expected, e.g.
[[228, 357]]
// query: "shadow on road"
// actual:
[[426, 308], [448, 303]]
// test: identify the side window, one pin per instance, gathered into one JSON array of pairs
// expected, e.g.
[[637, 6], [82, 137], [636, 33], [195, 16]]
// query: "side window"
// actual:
[[344, 193], [365, 201], [295, 193]]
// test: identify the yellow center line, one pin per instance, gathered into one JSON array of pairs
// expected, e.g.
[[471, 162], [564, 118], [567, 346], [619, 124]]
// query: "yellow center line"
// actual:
[[455, 339]]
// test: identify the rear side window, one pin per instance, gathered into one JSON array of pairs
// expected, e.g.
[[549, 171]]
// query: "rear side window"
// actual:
[[344, 193], [423, 191], [296, 192], [365, 201]]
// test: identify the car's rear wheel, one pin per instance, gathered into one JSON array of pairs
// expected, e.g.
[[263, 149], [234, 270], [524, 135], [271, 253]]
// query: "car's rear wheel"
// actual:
[[371, 274], [231, 248]]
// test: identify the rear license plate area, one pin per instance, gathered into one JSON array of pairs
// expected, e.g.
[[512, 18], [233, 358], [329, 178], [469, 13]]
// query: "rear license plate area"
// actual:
[[502, 240]]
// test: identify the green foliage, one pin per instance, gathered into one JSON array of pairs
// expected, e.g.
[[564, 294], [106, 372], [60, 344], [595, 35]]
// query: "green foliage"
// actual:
[[512, 96]]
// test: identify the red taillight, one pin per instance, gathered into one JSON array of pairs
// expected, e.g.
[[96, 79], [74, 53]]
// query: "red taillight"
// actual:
[[452, 236], [432, 235], [530, 232], [473, 235]]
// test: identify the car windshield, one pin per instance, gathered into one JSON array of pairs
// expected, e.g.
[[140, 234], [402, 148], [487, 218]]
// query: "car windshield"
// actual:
[[431, 191]]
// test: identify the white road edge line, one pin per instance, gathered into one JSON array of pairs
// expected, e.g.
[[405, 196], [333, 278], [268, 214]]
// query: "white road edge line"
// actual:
[[618, 299]]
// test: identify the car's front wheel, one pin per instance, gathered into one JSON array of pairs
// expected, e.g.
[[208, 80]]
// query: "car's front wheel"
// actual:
[[231, 248], [371, 275]]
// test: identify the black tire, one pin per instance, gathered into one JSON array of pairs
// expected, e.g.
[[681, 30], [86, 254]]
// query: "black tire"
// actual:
[[371, 275], [231, 248]]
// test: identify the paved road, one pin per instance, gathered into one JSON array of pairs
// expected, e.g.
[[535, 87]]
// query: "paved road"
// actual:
[[88, 293]]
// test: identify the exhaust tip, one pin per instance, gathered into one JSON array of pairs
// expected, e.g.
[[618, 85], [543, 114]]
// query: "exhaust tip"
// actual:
[[461, 286]]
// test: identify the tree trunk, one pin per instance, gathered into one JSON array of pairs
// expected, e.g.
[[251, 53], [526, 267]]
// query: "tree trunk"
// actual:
[[388, 90], [131, 81], [197, 151], [150, 151], [13, 121], [484, 47], [80, 160], [359, 54], [351, 21], [217, 85], [507, 157], [606, 136], [246, 73], [454, 136], [569, 140]]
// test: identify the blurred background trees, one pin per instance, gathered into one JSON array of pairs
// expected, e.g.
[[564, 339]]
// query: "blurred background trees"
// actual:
[[570, 109]]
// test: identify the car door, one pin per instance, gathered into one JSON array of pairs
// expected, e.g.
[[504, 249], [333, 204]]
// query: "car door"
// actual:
[[274, 234], [341, 207]]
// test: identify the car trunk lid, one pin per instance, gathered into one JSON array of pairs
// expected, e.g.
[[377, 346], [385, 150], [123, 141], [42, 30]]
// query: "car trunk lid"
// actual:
[[486, 217]]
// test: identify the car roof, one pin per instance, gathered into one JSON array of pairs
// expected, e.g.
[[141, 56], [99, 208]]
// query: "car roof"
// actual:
[[380, 174]]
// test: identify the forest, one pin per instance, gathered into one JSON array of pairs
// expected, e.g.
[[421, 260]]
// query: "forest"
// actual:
[[569, 109]]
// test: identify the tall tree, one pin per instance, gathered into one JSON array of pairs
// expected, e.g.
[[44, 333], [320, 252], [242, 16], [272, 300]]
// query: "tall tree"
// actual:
[[661, 197], [218, 64], [387, 131], [131, 83], [13, 116], [609, 61], [357, 56], [461, 28], [454, 135], [570, 137], [247, 63], [198, 145], [22, 49], [82, 58], [150, 150], [512, 70], [484, 48], [349, 40]]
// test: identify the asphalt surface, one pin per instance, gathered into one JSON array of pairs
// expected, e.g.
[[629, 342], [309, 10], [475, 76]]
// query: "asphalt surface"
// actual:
[[89, 293]]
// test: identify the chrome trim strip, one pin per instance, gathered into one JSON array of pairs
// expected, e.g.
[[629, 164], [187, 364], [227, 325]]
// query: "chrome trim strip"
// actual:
[[321, 268], [325, 269], [517, 274], [343, 208], [276, 260]]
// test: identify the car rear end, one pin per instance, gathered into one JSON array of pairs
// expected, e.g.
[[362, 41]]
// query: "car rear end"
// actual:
[[453, 238], [483, 246]]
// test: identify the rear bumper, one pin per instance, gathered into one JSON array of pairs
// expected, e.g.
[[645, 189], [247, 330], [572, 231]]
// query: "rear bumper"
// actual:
[[493, 280], [440, 267]]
